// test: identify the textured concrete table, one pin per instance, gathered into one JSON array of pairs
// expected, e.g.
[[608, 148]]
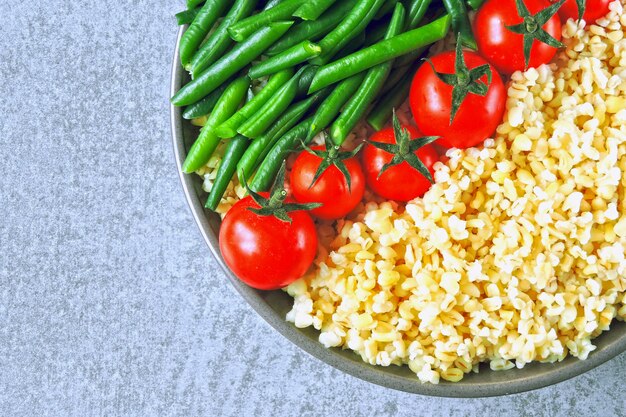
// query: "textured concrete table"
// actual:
[[110, 304]]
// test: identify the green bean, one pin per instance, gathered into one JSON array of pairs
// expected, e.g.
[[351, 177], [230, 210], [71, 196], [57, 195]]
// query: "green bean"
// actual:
[[207, 141], [382, 111], [305, 80], [219, 41], [271, 164], [256, 125], [385, 9], [262, 145], [313, 9], [293, 56], [330, 108], [204, 106], [370, 87], [396, 74], [193, 3], [353, 24], [199, 28], [186, 16], [314, 29], [246, 27], [237, 58], [416, 11], [228, 129], [460, 22], [233, 153], [380, 52], [249, 160], [475, 4]]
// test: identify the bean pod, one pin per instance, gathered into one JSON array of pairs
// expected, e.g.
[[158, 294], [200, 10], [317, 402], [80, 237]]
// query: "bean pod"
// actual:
[[193, 3], [233, 153], [233, 61], [313, 9], [460, 22], [353, 24], [207, 141], [228, 129], [271, 164], [370, 87], [331, 107], [416, 11], [383, 110], [204, 106], [272, 109], [314, 29], [199, 28], [246, 27], [286, 59], [261, 145], [186, 16], [219, 41], [380, 52]]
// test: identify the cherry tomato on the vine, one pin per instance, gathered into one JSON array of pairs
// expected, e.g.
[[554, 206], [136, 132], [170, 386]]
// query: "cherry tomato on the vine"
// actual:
[[400, 182], [504, 48], [432, 102], [263, 251], [330, 188]]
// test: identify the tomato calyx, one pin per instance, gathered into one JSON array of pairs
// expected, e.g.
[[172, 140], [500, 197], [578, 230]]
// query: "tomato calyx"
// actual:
[[581, 8], [464, 80], [275, 205], [332, 156], [532, 26], [404, 150]]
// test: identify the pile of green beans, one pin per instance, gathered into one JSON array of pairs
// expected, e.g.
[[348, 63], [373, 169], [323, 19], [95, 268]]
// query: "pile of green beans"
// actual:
[[380, 52], [207, 141], [314, 29], [282, 11], [267, 76], [376, 76], [353, 24], [228, 129], [219, 41], [199, 28]]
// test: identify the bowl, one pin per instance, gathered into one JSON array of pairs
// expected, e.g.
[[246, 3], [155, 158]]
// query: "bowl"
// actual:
[[273, 306]]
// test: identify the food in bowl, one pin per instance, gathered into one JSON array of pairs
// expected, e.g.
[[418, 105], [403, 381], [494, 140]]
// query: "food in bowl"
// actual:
[[516, 252]]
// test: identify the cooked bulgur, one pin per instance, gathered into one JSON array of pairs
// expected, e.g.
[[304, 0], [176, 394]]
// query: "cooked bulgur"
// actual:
[[516, 254]]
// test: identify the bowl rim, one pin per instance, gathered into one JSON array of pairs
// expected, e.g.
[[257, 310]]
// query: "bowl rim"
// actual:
[[561, 372]]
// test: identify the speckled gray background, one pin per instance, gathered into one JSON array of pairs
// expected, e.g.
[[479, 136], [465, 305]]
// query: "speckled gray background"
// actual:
[[110, 304]]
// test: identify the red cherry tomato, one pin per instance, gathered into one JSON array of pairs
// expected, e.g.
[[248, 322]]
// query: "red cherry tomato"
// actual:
[[263, 251], [505, 49], [400, 182], [330, 189], [431, 103], [594, 10]]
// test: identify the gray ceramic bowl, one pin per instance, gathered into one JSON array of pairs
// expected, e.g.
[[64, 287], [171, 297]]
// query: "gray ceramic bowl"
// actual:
[[274, 305]]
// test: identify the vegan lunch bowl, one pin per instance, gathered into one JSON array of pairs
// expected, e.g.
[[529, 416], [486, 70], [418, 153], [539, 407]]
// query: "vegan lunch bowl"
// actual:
[[427, 194]]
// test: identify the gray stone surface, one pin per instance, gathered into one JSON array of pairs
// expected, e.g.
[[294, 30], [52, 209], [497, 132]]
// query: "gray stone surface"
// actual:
[[110, 304]]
